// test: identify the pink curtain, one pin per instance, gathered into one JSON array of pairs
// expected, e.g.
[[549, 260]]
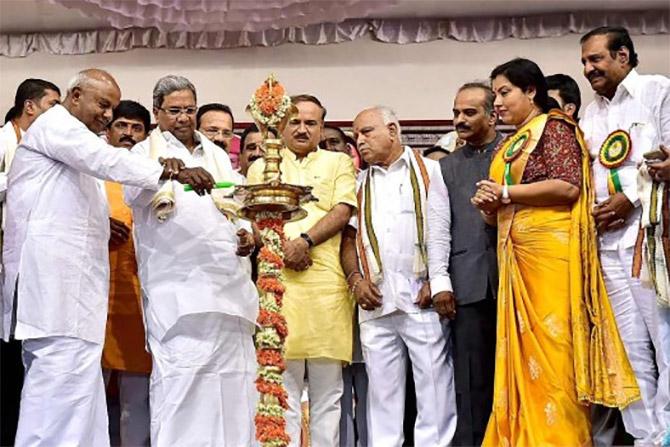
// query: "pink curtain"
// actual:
[[224, 15], [396, 31]]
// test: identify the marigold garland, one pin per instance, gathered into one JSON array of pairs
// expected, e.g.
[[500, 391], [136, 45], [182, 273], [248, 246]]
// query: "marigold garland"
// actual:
[[276, 225], [271, 358], [269, 103], [273, 400], [267, 318], [271, 258], [270, 284]]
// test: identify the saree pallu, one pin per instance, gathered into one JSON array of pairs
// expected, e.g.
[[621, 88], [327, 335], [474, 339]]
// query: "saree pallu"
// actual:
[[558, 349]]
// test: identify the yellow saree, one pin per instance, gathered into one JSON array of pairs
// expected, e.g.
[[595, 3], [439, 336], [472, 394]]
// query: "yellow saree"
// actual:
[[558, 348]]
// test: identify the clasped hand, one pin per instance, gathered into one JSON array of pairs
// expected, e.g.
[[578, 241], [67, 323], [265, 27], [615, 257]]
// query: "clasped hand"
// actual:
[[659, 170], [245, 242], [612, 213], [488, 195], [365, 292], [296, 254]]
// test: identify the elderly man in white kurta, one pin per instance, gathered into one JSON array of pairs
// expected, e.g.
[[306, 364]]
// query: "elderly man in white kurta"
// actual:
[[200, 305], [387, 270], [629, 117], [56, 259]]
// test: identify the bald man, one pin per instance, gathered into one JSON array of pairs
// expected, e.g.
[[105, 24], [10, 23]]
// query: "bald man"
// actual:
[[56, 259]]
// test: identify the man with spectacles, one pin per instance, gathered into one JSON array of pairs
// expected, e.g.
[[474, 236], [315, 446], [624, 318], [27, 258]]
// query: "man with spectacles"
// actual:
[[200, 305], [216, 121]]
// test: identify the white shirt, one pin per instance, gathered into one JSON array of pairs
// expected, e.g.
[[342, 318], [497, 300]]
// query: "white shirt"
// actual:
[[55, 250], [641, 107], [7, 139], [187, 264], [438, 240], [394, 221]]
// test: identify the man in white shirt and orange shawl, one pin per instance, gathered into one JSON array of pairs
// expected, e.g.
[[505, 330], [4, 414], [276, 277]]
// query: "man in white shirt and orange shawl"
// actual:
[[200, 305], [57, 262], [385, 257]]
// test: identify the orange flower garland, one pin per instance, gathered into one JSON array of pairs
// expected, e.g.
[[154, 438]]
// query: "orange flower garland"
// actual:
[[273, 399], [269, 97], [269, 103]]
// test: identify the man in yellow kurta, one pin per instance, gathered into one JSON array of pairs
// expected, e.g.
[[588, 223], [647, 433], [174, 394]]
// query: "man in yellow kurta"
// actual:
[[317, 306], [124, 350]]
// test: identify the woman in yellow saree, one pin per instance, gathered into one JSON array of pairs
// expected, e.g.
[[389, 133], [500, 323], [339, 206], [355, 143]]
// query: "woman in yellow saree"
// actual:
[[558, 349]]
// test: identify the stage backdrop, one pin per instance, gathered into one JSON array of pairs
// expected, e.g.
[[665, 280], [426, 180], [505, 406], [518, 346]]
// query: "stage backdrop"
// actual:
[[417, 80]]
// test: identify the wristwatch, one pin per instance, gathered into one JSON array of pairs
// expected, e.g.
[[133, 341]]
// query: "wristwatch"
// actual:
[[310, 242], [505, 199]]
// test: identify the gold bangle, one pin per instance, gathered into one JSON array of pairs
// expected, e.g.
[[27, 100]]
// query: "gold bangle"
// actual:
[[352, 274], [352, 289]]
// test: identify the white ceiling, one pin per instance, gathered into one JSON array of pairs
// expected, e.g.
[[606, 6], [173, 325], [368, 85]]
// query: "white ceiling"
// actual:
[[21, 16]]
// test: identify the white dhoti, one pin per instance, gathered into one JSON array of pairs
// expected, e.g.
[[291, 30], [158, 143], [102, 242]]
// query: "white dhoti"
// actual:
[[638, 319], [386, 342], [324, 377], [202, 390], [63, 397]]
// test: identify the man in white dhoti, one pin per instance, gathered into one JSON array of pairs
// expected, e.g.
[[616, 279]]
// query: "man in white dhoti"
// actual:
[[56, 259], [386, 264], [33, 97], [629, 117], [200, 305]]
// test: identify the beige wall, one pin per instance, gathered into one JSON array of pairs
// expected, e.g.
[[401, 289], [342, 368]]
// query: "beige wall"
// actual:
[[417, 80]]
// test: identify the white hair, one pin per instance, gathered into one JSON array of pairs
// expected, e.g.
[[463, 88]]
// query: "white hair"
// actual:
[[85, 77], [169, 84], [388, 116], [77, 80]]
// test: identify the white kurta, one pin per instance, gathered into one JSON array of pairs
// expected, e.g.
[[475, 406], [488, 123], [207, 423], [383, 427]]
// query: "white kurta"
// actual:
[[8, 141], [58, 227], [400, 329], [187, 264], [641, 107], [200, 308], [395, 226]]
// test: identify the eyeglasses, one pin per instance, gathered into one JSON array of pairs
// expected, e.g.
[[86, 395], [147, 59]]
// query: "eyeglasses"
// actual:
[[176, 111]]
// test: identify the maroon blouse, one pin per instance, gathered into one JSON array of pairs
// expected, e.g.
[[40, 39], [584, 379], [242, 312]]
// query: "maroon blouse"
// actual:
[[557, 156]]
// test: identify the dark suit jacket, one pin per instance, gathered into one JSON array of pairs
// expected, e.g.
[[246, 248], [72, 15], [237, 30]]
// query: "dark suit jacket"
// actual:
[[473, 265]]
